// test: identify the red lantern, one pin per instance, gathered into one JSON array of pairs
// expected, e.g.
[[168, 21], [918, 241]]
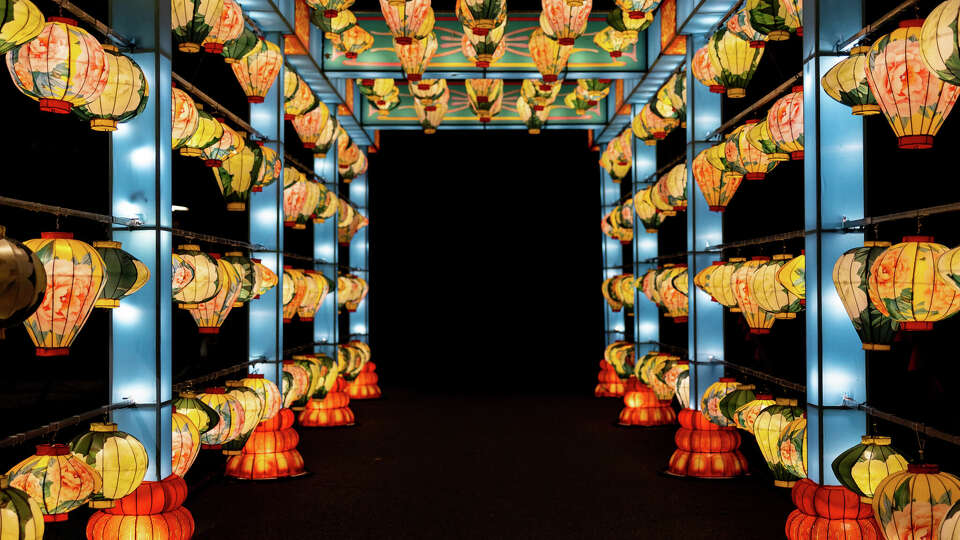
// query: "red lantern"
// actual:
[[609, 384], [153, 512], [270, 452], [706, 450], [642, 408], [829, 512], [331, 411], [365, 385]]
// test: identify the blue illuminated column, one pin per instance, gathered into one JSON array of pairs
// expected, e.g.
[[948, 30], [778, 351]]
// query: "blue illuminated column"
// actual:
[[359, 253], [704, 228], [325, 327], [266, 229], [613, 322], [141, 188], [645, 246], [833, 189]]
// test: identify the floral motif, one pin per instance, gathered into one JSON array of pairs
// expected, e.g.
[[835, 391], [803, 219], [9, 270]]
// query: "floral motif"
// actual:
[[257, 71]]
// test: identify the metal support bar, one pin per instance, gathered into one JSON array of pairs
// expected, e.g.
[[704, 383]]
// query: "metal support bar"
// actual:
[[897, 216], [918, 427], [53, 427], [185, 85], [774, 94], [874, 26]]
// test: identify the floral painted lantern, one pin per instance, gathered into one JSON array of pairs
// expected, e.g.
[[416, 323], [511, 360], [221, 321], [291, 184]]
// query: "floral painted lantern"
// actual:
[[862, 467], [257, 71], [769, 294], [22, 516], [353, 41], [746, 158], [485, 96], [950, 529], [539, 94], [758, 320], [648, 286], [203, 416], [209, 130], [793, 277], [846, 82], [429, 91], [745, 415], [186, 117], [237, 174], [268, 278], [549, 55], [123, 276], [851, 278], [430, 116], [206, 277], [913, 504], [229, 144], [298, 97], [905, 286], [761, 139], [682, 389], [646, 211], [938, 44], [408, 20], [785, 122], [534, 120], [638, 9], [210, 315], [23, 280], [415, 57], [56, 479], [671, 189], [767, 428], [575, 101], [620, 355], [192, 21], [248, 275], [792, 447], [310, 125], [740, 396], [775, 18], [706, 71], [674, 299], [484, 50], [914, 101], [721, 284], [595, 89], [710, 402], [296, 383], [230, 423], [118, 457], [655, 124], [613, 41], [123, 97], [252, 405], [622, 21], [20, 24], [229, 25], [330, 8], [62, 68], [185, 443], [734, 61], [294, 287], [235, 49], [672, 98], [76, 276], [335, 26], [182, 273], [268, 392], [315, 290], [717, 186], [702, 279], [739, 24], [479, 17], [564, 23]]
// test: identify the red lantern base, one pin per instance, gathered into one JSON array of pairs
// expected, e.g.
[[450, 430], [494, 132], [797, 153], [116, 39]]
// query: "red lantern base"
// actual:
[[829, 512], [549, 78], [915, 142], [414, 77], [208, 330], [212, 162], [254, 99], [706, 450], [681, 319], [757, 44], [403, 40], [485, 120], [538, 108], [480, 31], [365, 385], [717, 208], [331, 411], [288, 116], [616, 54], [271, 452], [566, 41], [755, 176], [760, 331], [635, 14], [213, 48], [718, 88], [916, 326], [482, 64], [53, 351], [797, 156], [309, 145], [57, 106], [642, 408], [154, 511], [609, 384], [430, 108], [351, 55]]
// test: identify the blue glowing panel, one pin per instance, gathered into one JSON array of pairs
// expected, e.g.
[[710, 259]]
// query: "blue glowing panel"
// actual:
[[645, 245], [325, 328]]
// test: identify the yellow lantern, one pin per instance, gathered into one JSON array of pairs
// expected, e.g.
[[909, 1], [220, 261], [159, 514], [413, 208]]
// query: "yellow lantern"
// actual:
[[739, 24], [861, 468], [248, 276], [228, 145], [745, 415], [484, 50], [185, 444], [125, 274], [710, 402], [231, 419], [913, 504], [759, 320], [721, 283], [314, 291], [734, 61], [673, 298], [22, 516], [647, 211], [846, 82], [353, 41], [539, 94], [408, 20], [199, 413], [792, 447], [186, 117], [775, 19], [192, 21], [209, 130], [563, 22], [235, 49], [206, 277], [702, 279], [415, 56], [334, 26], [851, 279], [769, 294], [252, 405], [298, 97], [268, 278], [785, 123], [21, 25], [237, 175], [670, 192], [613, 41], [124, 96], [309, 126], [767, 428], [718, 186], [56, 479], [272, 168], [481, 16], [760, 138], [743, 157], [229, 26], [655, 124], [294, 287], [327, 205], [705, 70], [671, 101], [118, 457], [268, 392], [533, 119], [428, 90], [431, 115], [257, 71], [485, 96], [550, 56], [210, 315], [330, 8]]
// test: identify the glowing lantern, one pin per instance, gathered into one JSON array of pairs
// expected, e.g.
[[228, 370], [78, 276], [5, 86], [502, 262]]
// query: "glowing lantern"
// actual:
[[638, 9], [705, 450], [123, 97], [327, 137], [702, 279], [209, 130], [641, 131], [612, 291], [672, 298], [717, 186], [352, 41], [671, 99], [486, 97], [296, 383], [760, 138], [229, 25], [63, 67], [550, 56], [124, 276], [203, 416], [950, 529], [793, 277], [912, 504], [739, 25], [271, 452], [429, 90], [792, 447], [846, 82], [533, 119], [235, 49], [655, 124], [22, 516], [758, 320], [851, 277], [327, 205], [252, 405], [210, 315], [682, 390], [431, 115], [408, 20], [310, 125], [152, 511], [298, 97], [744, 158], [948, 267], [248, 276], [710, 402], [295, 194], [769, 294], [185, 444], [334, 26], [257, 71], [315, 290], [347, 153], [229, 145], [785, 122], [564, 22], [734, 61], [481, 16], [613, 41], [268, 278], [330, 8], [740, 396], [767, 428], [237, 174], [905, 286], [706, 71], [206, 278], [649, 288], [862, 467], [56, 479], [268, 392], [192, 21], [774, 19], [722, 283], [231, 420], [272, 169], [377, 90], [23, 279], [186, 117], [577, 103], [618, 157], [745, 415], [118, 457], [486, 49], [415, 56], [669, 193], [20, 24], [294, 287], [618, 224]]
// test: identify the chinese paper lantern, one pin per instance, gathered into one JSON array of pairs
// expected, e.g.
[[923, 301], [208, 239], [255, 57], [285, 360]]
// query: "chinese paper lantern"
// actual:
[[938, 45], [252, 405], [734, 61], [229, 25], [377, 90], [948, 267], [611, 292], [671, 190], [270, 453], [192, 21], [831, 510], [914, 503], [247, 274], [20, 24], [563, 22], [722, 283], [671, 101], [717, 186], [332, 410], [296, 383], [353, 41], [905, 286], [210, 315], [774, 19], [706, 71], [486, 49], [327, 205], [758, 320], [739, 25], [186, 117], [122, 274], [268, 392], [785, 122], [744, 158], [330, 8], [334, 26], [152, 511], [596, 89], [702, 279], [185, 444], [415, 56], [408, 20], [203, 416], [550, 56], [310, 125], [298, 97], [793, 277], [312, 296], [682, 390], [638, 9], [620, 355], [769, 294], [231, 420], [648, 286], [365, 386], [705, 450], [862, 467], [228, 145], [23, 280], [950, 529], [118, 457], [574, 101], [429, 91], [209, 130], [268, 278], [63, 67], [851, 277], [22, 516], [235, 49], [56, 479], [272, 169], [257, 71], [673, 300], [792, 447], [646, 211], [745, 415], [760, 138], [485, 96], [740, 396], [661, 388], [767, 429], [613, 41], [123, 97], [914, 101], [206, 278], [481, 16], [655, 124], [237, 175], [294, 287], [430, 119], [846, 82], [710, 402], [643, 407], [75, 277]]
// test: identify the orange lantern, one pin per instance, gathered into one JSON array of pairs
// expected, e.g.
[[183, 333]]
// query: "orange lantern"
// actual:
[[408, 20], [309, 126], [294, 287], [257, 71], [485, 96], [745, 158], [154, 511], [550, 56], [229, 26], [415, 57], [785, 122], [185, 444], [353, 41], [705, 71], [758, 320], [718, 186], [271, 452], [210, 315], [564, 22]]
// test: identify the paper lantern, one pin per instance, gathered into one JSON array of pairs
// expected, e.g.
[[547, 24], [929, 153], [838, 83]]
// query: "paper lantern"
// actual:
[[124, 96], [642, 407], [298, 97], [717, 186], [760, 138], [912, 98], [769, 294], [61, 68], [622, 21], [595, 89], [862, 467], [550, 56], [430, 119], [365, 386], [669, 194], [153, 511], [415, 57], [722, 283], [237, 175], [669, 376], [252, 405], [295, 383], [792, 447], [620, 355], [192, 21], [485, 96], [767, 428], [206, 277], [914, 503], [229, 144], [905, 286], [429, 91], [702, 279], [613, 41], [23, 280], [353, 41], [481, 16], [270, 453], [248, 278], [20, 24], [660, 386], [950, 529], [56, 479], [638, 9], [268, 392], [757, 319], [673, 299], [851, 277], [22, 516], [655, 124], [257, 71], [118, 457], [267, 278], [646, 211], [706, 71], [334, 26], [564, 22], [671, 100], [793, 277], [648, 286], [740, 396], [710, 402], [313, 293], [231, 420], [486, 49], [272, 169], [310, 125], [122, 274], [75, 277], [327, 205], [705, 450], [294, 287], [830, 510], [235, 49], [938, 45], [186, 117], [203, 416], [229, 25], [774, 19], [332, 410], [785, 122], [185, 444], [745, 158], [330, 8], [210, 315], [209, 130], [745, 415], [734, 61], [739, 25], [407, 19], [682, 389], [846, 82]]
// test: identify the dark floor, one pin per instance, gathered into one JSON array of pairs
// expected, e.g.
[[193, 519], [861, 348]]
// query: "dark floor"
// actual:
[[434, 466]]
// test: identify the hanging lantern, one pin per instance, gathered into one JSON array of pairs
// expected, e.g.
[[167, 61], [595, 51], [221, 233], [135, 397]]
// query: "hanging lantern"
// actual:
[[740, 396], [327, 137], [122, 274], [862, 467], [722, 283], [950, 530], [577, 103], [481, 16], [739, 25], [667, 377], [56, 479], [295, 195], [62, 68], [257, 71], [638, 9], [673, 300], [904, 284], [769, 294], [785, 122], [913, 504], [294, 287], [793, 277], [431, 115], [774, 19], [315, 290], [377, 90], [268, 392], [248, 276], [231, 420], [549, 55], [23, 280], [595, 89], [210, 315], [185, 444], [330, 8], [229, 145], [655, 124], [268, 279], [298, 97], [486, 49], [415, 57], [20, 24], [846, 82], [485, 96], [229, 25], [296, 383], [334, 26], [563, 22], [310, 125], [408, 20], [534, 120], [706, 71], [613, 41], [22, 516], [682, 391], [429, 91], [758, 320], [717, 186], [75, 277], [710, 402], [192, 21], [948, 267], [641, 131], [760, 138], [792, 447], [252, 405], [209, 130], [206, 277], [669, 194], [118, 457], [353, 41], [237, 174], [186, 117], [327, 205], [743, 157], [734, 61], [611, 292], [648, 286], [235, 49], [203, 416], [767, 428], [702, 279], [851, 277], [745, 415], [123, 97]]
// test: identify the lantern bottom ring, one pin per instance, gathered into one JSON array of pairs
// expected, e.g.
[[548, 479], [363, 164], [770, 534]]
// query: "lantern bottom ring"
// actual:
[[53, 351], [57, 106], [915, 142]]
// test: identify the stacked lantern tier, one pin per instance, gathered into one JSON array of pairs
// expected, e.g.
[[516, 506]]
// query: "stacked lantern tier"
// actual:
[[153, 507], [642, 408], [609, 383], [829, 512], [706, 450], [331, 411], [365, 385], [271, 452]]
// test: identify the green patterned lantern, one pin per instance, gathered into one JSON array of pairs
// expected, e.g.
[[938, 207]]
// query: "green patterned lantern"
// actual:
[[767, 428], [20, 22], [202, 415], [119, 458], [235, 49], [249, 277], [192, 20], [851, 277], [237, 174], [620, 355], [23, 280], [124, 275], [253, 408], [714, 394], [846, 82], [745, 416], [861, 468], [740, 396], [20, 515], [773, 19], [734, 61], [792, 447]]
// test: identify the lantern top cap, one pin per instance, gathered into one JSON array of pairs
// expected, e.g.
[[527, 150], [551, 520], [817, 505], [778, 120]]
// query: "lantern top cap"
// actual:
[[918, 239], [879, 440], [288, 362], [189, 247], [256, 375], [256, 260], [717, 263], [876, 243], [55, 449], [232, 384], [736, 259], [760, 258], [782, 257], [233, 254], [923, 468], [214, 255], [764, 397], [911, 23], [107, 244], [102, 427], [214, 390], [188, 395], [57, 235], [747, 387], [786, 401], [862, 49], [727, 380], [63, 20]]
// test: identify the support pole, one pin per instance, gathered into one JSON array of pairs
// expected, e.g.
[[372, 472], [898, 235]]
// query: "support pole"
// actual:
[[614, 322], [645, 247], [325, 327]]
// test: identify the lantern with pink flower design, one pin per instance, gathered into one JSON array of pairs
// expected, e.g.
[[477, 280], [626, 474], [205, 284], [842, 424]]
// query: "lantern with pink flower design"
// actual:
[[785, 122], [415, 56], [229, 26], [408, 20], [330, 8], [258, 70], [310, 125], [485, 96], [484, 50], [352, 41], [549, 55], [705, 71], [564, 22]]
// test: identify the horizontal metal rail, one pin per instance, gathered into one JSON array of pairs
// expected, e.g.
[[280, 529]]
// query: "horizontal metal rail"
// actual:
[[874, 26], [918, 427], [53, 427], [849, 225], [190, 383], [774, 94]]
